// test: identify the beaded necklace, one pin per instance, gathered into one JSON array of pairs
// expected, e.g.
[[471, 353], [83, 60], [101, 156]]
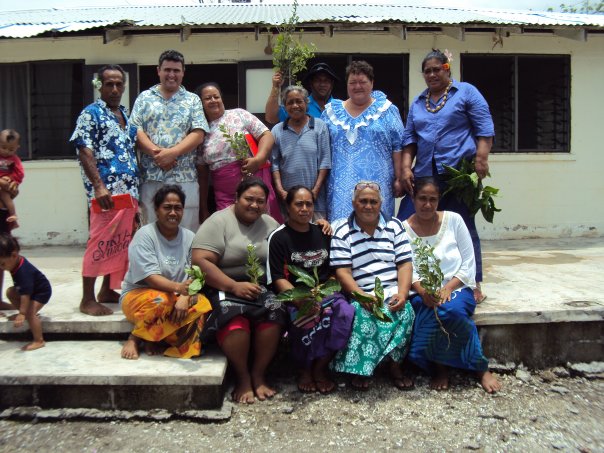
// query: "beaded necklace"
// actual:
[[442, 103]]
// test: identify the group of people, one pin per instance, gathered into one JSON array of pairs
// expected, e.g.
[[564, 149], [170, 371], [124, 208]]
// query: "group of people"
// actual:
[[316, 191]]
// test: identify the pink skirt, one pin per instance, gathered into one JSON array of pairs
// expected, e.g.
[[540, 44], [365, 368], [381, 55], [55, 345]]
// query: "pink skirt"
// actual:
[[227, 178]]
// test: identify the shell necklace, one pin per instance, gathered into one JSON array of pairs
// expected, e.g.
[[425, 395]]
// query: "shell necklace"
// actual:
[[442, 103]]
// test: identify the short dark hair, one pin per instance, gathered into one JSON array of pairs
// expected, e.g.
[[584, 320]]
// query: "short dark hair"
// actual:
[[251, 182], [203, 86], [359, 67], [292, 192], [163, 192], [424, 181], [172, 55], [435, 54], [8, 245], [100, 74]]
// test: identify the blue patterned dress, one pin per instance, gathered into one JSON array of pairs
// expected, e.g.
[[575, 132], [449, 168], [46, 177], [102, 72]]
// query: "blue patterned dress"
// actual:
[[361, 149]]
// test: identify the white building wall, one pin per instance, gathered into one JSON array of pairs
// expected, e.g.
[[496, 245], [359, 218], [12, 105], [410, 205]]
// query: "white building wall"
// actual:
[[542, 195]]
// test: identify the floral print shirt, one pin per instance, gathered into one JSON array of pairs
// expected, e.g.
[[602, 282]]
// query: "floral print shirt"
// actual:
[[215, 151], [99, 130], [167, 122]]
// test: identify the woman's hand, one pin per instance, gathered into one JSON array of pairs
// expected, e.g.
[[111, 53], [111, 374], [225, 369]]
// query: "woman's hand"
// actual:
[[183, 288], [407, 181], [397, 302], [428, 300], [251, 165], [19, 320], [325, 227], [180, 310], [246, 290], [445, 295]]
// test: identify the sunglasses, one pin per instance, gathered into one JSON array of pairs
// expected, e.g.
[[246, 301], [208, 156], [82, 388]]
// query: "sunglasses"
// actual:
[[368, 185]]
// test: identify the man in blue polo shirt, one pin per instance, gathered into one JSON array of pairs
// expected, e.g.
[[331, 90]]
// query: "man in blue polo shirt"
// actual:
[[320, 79]]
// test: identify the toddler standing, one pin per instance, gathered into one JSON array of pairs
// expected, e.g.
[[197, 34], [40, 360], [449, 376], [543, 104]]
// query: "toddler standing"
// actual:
[[31, 291]]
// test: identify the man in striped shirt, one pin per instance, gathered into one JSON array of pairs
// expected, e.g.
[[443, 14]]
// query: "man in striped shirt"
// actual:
[[365, 246]]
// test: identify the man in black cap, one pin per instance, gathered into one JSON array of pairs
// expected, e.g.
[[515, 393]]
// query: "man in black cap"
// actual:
[[319, 79]]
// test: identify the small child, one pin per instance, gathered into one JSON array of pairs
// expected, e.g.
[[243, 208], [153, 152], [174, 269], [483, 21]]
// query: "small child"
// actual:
[[11, 173], [31, 291]]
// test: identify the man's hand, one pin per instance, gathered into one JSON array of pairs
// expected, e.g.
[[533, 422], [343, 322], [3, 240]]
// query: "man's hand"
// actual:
[[482, 167], [165, 158], [103, 197], [277, 79]]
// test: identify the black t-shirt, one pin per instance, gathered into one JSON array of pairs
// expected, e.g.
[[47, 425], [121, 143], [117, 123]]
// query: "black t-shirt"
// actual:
[[305, 250]]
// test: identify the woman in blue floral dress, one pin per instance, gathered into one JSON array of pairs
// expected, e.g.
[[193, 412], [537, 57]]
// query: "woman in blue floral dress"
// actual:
[[366, 134]]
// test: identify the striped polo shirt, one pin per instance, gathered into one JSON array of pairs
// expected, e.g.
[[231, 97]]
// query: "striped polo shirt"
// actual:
[[370, 256]]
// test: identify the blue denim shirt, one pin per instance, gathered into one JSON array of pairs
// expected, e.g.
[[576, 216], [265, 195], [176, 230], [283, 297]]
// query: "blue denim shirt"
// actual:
[[449, 135]]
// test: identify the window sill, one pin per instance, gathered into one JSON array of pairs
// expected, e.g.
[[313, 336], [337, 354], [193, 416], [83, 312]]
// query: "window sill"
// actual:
[[532, 157]]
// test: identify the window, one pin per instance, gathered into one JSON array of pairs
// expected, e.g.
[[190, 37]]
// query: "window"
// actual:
[[42, 100], [529, 98]]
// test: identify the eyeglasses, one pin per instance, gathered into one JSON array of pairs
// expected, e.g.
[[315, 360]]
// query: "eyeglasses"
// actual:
[[368, 185], [214, 97]]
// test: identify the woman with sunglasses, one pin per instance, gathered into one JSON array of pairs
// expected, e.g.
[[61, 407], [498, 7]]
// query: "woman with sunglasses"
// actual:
[[364, 246], [447, 123], [366, 134]]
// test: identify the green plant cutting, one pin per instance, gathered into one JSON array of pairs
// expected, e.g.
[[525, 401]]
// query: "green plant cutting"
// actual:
[[376, 302], [253, 268], [309, 294], [430, 274], [467, 186], [199, 279], [290, 55], [237, 142]]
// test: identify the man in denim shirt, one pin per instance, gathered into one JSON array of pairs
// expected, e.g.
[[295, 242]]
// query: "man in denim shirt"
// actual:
[[171, 124]]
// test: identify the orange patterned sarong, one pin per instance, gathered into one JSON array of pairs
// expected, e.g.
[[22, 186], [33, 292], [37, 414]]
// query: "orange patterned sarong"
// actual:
[[149, 311]]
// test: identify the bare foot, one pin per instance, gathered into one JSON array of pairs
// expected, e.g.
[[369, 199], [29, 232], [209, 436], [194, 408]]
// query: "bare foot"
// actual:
[[441, 380], [261, 389], [12, 317], [93, 308], [108, 297], [489, 382], [478, 295], [306, 383], [33, 345], [322, 381], [130, 348], [152, 348], [398, 378], [360, 383], [243, 392]]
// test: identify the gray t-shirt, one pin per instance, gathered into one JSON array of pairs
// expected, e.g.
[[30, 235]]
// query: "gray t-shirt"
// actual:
[[223, 234], [150, 253]]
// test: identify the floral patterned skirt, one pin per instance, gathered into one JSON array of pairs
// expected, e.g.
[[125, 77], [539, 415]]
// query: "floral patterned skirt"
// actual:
[[149, 311], [371, 340]]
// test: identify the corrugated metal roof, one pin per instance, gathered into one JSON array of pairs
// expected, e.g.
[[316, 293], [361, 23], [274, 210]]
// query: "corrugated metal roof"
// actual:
[[19, 24]]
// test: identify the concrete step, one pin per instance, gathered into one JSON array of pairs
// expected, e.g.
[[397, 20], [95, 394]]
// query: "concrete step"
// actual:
[[92, 374]]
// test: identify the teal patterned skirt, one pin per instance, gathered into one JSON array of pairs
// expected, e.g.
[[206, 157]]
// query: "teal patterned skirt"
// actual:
[[371, 340]]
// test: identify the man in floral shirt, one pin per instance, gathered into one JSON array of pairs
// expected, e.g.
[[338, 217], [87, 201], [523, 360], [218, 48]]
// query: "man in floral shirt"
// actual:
[[171, 124], [105, 139]]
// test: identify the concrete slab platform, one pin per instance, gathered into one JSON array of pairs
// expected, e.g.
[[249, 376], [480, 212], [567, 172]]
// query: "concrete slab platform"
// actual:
[[527, 281], [92, 374]]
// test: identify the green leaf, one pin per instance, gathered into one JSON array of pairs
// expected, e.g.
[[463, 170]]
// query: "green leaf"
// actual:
[[379, 290], [328, 288], [194, 287], [294, 294], [363, 298], [303, 276]]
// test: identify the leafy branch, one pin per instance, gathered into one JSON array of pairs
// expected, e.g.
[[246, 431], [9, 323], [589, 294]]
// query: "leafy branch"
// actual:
[[253, 268], [375, 303], [310, 293], [467, 187], [430, 274], [290, 55], [237, 142], [199, 279]]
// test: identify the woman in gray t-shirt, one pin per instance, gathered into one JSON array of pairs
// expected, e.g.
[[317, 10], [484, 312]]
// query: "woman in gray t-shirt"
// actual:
[[155, 295], [220, 248]]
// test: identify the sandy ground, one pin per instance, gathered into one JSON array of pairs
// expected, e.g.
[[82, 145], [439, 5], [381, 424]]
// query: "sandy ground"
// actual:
[[534, 414]]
